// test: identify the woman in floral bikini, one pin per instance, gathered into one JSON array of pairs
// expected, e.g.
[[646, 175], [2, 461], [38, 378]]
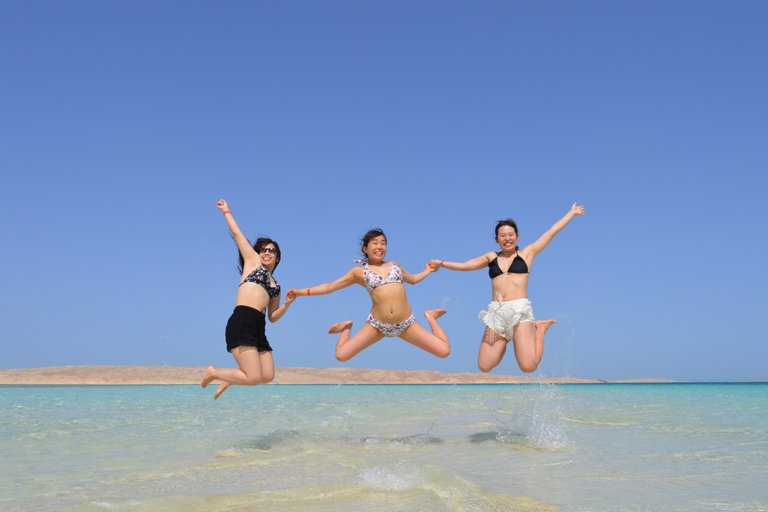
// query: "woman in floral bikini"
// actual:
[[257, 294], [391, 314]]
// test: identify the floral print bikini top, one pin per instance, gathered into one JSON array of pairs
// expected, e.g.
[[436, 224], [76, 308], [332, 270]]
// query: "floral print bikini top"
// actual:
[[373, 280], [260, 276]]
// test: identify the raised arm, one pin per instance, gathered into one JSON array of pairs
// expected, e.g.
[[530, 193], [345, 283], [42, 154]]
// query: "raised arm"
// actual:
[[474, 264], [355, 275], [243, 244], [416, 278], [539, 245]]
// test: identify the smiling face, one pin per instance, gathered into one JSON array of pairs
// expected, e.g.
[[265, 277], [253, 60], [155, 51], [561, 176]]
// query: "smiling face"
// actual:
[[269, 252], [507, 237], [376, 248]]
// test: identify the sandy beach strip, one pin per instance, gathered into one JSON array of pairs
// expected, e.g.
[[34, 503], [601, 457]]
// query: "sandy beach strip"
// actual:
[[95, 375]]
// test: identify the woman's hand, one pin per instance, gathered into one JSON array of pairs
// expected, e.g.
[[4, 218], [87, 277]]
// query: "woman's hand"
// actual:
[[577, 210], [222, 205]]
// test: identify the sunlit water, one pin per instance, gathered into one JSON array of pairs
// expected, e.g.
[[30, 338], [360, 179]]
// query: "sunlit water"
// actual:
[[625, 447]]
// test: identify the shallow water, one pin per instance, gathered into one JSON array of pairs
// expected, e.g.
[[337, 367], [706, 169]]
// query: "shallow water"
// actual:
[[633, 447]]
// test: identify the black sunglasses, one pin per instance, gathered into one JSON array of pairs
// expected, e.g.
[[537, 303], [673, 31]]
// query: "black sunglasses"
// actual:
[[267, 249]]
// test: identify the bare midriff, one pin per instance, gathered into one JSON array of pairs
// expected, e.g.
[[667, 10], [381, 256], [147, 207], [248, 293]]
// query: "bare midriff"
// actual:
[[390, 303], [510, 287], [253, 296]]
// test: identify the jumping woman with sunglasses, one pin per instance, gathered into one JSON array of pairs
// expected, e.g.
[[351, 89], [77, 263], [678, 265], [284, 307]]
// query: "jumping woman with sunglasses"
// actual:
[[258, 297]]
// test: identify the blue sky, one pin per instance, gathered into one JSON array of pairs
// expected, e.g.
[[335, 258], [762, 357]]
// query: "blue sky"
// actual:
[[124, 122]]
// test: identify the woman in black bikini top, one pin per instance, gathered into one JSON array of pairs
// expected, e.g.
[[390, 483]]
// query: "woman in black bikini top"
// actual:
[[518, 266], [509, 316]]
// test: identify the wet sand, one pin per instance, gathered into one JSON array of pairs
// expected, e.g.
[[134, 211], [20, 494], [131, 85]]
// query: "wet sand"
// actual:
[[81, 375]]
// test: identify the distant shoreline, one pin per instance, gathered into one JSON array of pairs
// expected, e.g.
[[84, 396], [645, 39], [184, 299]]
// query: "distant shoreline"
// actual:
[[137, 375]]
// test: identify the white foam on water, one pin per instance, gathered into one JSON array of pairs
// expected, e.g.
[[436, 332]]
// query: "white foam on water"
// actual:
[[392, 478], [116, 506]]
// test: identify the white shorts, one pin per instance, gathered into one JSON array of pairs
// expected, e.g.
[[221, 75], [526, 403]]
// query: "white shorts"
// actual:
[[503, 317]]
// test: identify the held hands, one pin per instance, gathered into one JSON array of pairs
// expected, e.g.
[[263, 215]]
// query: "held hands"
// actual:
[[222, 205], [577, 210], [292, 294], [434, 265]]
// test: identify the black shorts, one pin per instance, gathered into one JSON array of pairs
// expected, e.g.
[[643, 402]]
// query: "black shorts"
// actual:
[[245, 328]]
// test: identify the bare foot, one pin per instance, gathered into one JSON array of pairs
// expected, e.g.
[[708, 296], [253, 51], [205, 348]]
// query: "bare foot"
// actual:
[[222, 387], [208, 377], [434, 314], [545, 324], [336, 328]]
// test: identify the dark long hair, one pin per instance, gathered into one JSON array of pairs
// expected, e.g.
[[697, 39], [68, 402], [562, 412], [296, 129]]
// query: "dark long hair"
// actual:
[[370, 235], [261, 242], [506, 222]]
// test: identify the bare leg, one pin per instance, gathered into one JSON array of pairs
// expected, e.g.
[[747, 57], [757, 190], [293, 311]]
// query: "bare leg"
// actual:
[[529, 343], [223, 387], [208, 377], [249, 372], [493, 346], [267, 367], [348, 347], [340, 327], [435, 313], [432, 316], [436, 342], [267, 373]]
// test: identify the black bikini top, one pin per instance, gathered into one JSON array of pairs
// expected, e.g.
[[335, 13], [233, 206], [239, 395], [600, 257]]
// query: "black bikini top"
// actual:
[[518, 266], [260, 276]]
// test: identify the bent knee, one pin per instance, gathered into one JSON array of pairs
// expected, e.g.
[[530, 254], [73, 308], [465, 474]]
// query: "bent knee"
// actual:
[[267, 379], [528, 367], [253, 380], [443, 352], [485, 368], [342, 357]]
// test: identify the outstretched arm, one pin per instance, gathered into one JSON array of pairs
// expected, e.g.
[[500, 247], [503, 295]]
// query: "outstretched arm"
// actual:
[[416, 278], [242, 243], [275, 312], [355, 275], [473, 264], [539, 245]]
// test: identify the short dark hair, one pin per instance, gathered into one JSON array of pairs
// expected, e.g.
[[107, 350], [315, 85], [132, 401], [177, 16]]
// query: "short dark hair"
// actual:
[[370, 235]]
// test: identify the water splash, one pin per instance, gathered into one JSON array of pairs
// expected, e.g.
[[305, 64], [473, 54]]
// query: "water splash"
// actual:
[[455, 306], [558, 349], [538, 419], [547, 428]]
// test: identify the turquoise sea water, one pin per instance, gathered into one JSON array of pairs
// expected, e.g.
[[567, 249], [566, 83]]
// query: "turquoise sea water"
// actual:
[[607, 447]]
